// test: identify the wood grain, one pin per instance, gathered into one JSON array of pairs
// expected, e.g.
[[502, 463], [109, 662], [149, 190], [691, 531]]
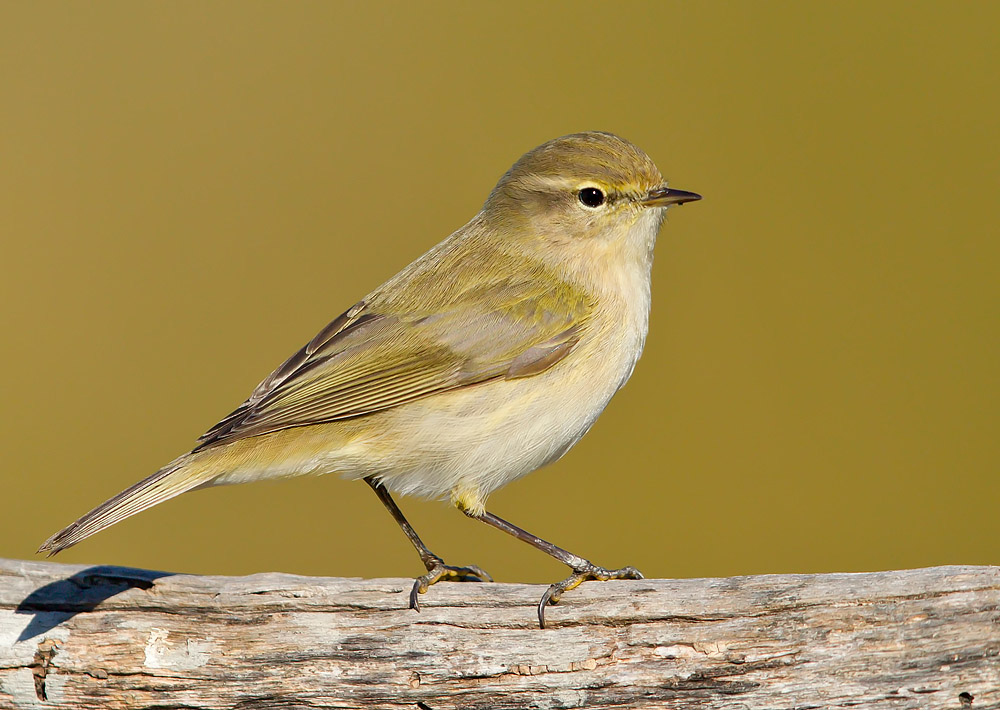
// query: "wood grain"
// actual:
[[111, 637]]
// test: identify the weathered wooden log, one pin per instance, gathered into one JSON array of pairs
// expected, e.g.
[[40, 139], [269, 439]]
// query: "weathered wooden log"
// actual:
[[112, 637]]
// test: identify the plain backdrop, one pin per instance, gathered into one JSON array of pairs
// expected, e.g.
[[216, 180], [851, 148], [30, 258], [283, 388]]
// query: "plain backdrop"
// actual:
[[189, 191]]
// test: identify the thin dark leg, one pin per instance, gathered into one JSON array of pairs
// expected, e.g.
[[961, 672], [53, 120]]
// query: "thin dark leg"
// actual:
[[437, 570], [582, 569], [426, 556]]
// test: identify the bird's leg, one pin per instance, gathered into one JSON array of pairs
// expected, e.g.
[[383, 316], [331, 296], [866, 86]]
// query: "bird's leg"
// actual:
[[582, 569], [437, 570]]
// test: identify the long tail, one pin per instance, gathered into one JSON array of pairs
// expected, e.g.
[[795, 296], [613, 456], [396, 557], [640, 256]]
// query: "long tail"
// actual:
[[172, 480]]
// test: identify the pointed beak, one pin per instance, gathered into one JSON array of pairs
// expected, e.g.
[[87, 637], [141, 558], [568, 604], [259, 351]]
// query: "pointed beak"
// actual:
[[664, 196]]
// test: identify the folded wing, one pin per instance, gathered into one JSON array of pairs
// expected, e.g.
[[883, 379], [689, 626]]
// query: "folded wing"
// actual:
[[371, 359]]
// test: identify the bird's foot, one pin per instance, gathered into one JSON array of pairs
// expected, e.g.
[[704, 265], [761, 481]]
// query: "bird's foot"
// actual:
[[580, 575], [438, 571]]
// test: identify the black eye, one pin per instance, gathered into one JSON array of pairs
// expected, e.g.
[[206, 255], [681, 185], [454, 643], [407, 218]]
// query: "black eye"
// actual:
[[591, 197]]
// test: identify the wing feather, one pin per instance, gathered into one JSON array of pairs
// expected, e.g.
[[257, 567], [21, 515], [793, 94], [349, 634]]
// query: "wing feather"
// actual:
[[368, 360]]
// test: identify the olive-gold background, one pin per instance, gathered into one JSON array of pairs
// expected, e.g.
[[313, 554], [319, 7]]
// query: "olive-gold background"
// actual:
[[189, 191]]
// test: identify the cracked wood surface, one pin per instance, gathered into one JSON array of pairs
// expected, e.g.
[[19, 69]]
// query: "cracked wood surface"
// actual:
[[111, 637]]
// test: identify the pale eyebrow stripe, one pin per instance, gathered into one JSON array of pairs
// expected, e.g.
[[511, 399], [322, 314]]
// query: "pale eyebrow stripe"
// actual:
[[553, 181], [557, 182]]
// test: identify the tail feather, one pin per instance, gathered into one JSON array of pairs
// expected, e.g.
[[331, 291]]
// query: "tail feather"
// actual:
[[170, 481]]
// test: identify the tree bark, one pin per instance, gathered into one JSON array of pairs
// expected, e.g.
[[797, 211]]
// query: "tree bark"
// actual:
[[112, 637]]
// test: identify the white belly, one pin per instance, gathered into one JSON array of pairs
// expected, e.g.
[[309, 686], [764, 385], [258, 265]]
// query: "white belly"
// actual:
[[468, 443]]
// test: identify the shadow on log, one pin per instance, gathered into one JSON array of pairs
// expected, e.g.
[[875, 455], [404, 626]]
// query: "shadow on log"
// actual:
[[111, 637]]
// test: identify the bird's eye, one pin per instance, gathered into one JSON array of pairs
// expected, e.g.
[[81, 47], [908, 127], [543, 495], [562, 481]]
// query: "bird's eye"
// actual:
[[591, 197]]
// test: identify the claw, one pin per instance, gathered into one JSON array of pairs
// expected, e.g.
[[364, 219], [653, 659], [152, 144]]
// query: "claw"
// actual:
[[440, 572], [555, 591]]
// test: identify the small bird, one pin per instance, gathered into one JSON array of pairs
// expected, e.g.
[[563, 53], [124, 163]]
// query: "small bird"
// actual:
[[488, 357]]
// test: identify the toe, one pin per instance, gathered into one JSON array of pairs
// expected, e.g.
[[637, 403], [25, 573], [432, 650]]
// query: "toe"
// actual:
[[479, 572]]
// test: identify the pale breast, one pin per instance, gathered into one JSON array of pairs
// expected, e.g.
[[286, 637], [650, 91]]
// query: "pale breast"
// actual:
[[477, 439], [469, 442]]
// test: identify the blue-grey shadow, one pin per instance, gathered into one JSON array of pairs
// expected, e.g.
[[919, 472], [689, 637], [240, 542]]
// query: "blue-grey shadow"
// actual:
[[54, 603]]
